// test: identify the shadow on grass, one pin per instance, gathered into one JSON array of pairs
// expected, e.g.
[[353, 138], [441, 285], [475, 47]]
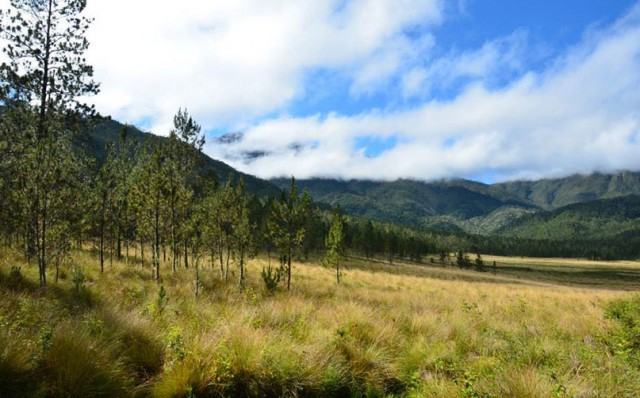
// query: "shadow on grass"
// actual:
[[76, 302], [608, 278], [611, 278]]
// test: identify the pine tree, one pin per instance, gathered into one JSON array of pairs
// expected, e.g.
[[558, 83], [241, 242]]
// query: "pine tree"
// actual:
[[41, 85], [185, 143], [286, 224], [334, 243], [243, 237]]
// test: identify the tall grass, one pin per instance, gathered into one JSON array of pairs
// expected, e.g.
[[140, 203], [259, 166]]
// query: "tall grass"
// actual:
[[398, 331]]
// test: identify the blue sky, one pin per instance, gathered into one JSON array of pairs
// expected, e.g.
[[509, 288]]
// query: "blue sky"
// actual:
[[427, 89]]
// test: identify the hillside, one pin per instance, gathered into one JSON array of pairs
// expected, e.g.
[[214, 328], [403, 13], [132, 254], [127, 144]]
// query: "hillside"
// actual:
[[108, 130], [599, 219], [472, 207], [442, 205], [552, 194]]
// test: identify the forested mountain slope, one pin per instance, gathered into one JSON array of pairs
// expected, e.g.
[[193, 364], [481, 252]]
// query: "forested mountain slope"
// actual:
[[555, 193], [107, 130], [472, 207], [440, 205], [599, 219]]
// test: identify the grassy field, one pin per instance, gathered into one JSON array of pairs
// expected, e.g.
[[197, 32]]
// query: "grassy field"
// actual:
[[537, 328]]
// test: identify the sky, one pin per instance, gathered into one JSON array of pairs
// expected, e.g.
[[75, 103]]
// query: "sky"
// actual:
[[490, 90]]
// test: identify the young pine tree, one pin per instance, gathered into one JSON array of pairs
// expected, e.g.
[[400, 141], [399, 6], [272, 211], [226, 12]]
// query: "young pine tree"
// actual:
[[286, 224], [334, 242]]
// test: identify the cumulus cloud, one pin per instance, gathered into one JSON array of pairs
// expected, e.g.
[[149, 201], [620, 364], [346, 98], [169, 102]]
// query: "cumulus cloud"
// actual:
[[582, 113], [232, 62]]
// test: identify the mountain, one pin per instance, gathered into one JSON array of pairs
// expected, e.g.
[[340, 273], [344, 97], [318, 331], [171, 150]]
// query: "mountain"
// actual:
[[107, 130], [444, 205], [598, 219], [552, 194], [468, 206]]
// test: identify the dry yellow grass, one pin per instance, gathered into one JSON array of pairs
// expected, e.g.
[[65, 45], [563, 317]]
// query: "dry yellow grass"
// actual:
[[402, 330]]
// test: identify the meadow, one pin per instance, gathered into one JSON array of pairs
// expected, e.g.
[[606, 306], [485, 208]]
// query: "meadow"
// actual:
[[537, 328]]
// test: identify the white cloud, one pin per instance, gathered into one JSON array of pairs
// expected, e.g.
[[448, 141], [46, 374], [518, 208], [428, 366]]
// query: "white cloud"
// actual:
[[230, 62], [579, 115], [495, 60]]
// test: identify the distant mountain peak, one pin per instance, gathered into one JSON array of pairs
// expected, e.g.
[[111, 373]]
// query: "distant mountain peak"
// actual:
[[229, 138]]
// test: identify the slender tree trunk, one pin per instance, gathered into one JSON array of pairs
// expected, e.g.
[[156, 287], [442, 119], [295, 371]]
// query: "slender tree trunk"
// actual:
[[43, 248], [221, 257], [241, 271], [102, 245], [197, 277], [289, 269], [186, 254], [157, 238], [226, 271]]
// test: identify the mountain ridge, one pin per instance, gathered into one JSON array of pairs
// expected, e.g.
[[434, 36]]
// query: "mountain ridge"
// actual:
[[463, 205]]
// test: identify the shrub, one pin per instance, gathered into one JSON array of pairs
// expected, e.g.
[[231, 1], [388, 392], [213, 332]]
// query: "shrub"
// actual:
[[160, 303], [78, 277], [15, 275], [271, 277]]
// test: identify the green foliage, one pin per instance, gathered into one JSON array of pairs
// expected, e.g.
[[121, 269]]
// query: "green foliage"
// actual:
[[175, 347], [15, 275], [78, 277], [161, 301], [334, 243], [45, 77], [271, 277], [286, 224], [624, 341]]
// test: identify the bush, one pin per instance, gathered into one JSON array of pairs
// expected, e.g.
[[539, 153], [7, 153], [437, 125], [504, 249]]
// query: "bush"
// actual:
[[78, 277], [271, 277], [15, 274]]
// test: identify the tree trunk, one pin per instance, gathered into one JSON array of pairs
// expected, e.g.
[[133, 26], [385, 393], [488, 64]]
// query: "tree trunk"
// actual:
[[157, 237], [289, 270], [102, 245], [186, 254], [42, 261], [226, 271]]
